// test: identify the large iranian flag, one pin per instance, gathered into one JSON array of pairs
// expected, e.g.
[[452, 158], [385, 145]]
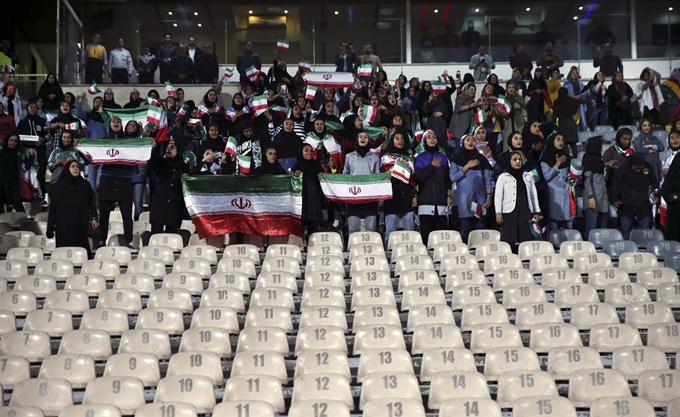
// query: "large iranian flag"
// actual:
[[355, 189], [329, 79], [138, 114], [267, 205], [116, 151]]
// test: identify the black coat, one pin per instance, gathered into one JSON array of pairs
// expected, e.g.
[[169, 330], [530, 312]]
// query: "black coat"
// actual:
[[72, 206], [206, 69], [34, 125], [167, 204]]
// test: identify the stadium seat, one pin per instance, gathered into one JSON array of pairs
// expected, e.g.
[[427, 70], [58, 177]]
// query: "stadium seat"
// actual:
[[652, 277], [272, 297], [486, 336], [325, 238], [232, 408], [383, 360], [384, 385], [446, 248], [585, 262], [243, 265], [8, 242], [87, 410], [206, 339], [221, 317], [29, 255], [369, 263], [543, 405], [672, 260], [566, 295], [324, 250], [40, 285], [463, 277], [416, 278], [516, 294], [512, 276], [42, 242], [77, 369], [563, 361], [601, 129], [358, 238], [92, 284], [175, 298], [474, 314], [413, 263], [328, 408], [570, 248], [323, 387], [631, 262], [128, 300], [373, 295], [277, 279], [500, 360], [369, 278], [192, 281], [422, 295], [659, 387], [499, 261], [255, 388], [120, 254], [608, 337], [153, 267], [13, 269], [51, 395], [143, 366], [599, 278], [269, 316], [323, 296], [615, 406], [599, 236], [541, 262], [616, 248], [529, 248], [378, 337], [282, 264], [75, 255], [485, 249], [237, 280], [529, 314], [200, 251], [291, 251], [161, 318], [366, 249], [171, 240], [272, 339], [13, 369], [429, 314], [156, 342], [403, 236], [479, 236], [106, 267], [633, 361], [195, 390], [17, 238], [51, 321], [206, 364], [620, 295], [20, 411], [456, 262], [335, 316], [546, 336], [463, 406], [96, 343], [587, 385], [644, 314], [192, 265], [257, 363], [18, 302], [513, 385], [242, 251], [76, 301], [407, 248], [325, 263], [663, 248], [311, 362], [436, 336], [445, 359], [113, 321], [437, 237], [643, 237], [14, 218], [471, 294], [449, 385], [586, 315], [557, 237], [669, 293]]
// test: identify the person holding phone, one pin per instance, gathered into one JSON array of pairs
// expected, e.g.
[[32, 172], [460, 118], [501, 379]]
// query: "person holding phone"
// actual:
[[481, 63]]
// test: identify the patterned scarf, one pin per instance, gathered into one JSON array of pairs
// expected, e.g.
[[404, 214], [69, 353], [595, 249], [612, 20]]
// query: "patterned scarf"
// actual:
[[627, 152]]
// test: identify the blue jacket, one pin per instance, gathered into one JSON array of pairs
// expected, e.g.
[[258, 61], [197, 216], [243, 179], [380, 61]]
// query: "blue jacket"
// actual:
[[95, 130], [470, 186], [559, 190], [433, 182]]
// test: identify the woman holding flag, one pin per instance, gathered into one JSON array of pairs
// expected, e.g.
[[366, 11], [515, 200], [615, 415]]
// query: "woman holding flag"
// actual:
[[362, 162], [471, 172], [63, 121], [555, 164]]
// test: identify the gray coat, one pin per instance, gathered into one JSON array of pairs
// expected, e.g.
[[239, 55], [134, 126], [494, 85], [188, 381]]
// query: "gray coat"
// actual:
[[356, 165], [460, 121], [559, 188], [481, 72], [594, 185]]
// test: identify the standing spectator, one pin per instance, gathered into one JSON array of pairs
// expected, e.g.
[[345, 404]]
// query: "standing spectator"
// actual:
[[96, 129], [10, 56], [346, 60], [481, 63], [193, 51], [650, 146], [362, 162], [206, 68], [72, 210], [167, 204], [596, 212], [462, 111], [182, 67], [434, 186], [368, 58], [564, 109], [247, 59], [94, 61], [13, 159], [312, 195], [671, 187], [608, 63], [519, 82], [34, 125], [426, 44], [51, 93], [470, 38], [146, 66], [649, 93], [596, 112], [165, 54], [671, 94], [10, 99], [617, 155], [619, 94], [517, 117], [120, 64], [630, 191], [549, 60], [110, 100], [555, 164], [519, 60]]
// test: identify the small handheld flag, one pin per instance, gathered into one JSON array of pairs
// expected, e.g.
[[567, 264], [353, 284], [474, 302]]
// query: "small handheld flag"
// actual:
[[154, 115], [369, 114], [439, 87], [575, 170], [311, 91], [94, 89], [305, 66], [480, 116], [153, 102], [401, 171], [170, 90], [283, 45], [244, 164], [476, 209], [181, 114], [232, 146], [228, 72], [72, 126], [252, 73], [536, 229], [365, 70]]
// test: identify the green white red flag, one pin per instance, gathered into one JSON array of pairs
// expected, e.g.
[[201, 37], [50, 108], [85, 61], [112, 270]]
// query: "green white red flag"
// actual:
[[244, 163], [310, 92], [575, 170], [365, 70], [329, 79], [232, 147], [305, 66], [503, 104], [283, 45], [252, 73], [170, 90], [476, 209], [480, 116], [355, 189], [138, 114], [268, 205], [229, 72], [94, 89], [439, 87], [116, 151]]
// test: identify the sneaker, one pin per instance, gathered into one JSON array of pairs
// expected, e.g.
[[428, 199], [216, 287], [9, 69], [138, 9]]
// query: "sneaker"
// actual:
[[129, 246], [336, 223], [44, 203]]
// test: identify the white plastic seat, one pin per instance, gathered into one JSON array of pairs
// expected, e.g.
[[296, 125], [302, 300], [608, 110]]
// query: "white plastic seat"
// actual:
[[599, 278], [659, 387], [329, 408], [571, 248], [243, 265], [13, 369], [259, 363], [126, 393], [486, 336], [422, 295], [456, 262], [237, 280], [322, 361], [586, 315], [668, 293], [585, 262], [464, 277], [413, 262], [75, 301], [325, 263], [75, 255], [195, 390], [438, 237], [29, 255], [286, 250], [121, 254], [445, 360], [128, 300], [221, 317], [406, 249], [471, 294], [455, 407], [324, 250], [143, 366], [10, 240], [498, 261], [474, 314], [378, 337], [255, 388], [320, 387], [621, 295], [369, 278], [92, 284], [329, 316], [171, 240], [529, 314], [53, 322], [417, 277], [378, 360], [20, 411], [358, 238], [7, 322], [192, 265], [513, 385], [269, 316], [223, 297], [179, 298], [608, 337], [232, 408], [323, 296], [642, 315], [156, 342], [373, 295], [200, 251], [382, 385], [403, 236], [500, 360], [652, 277], [529, 248], [42, 242], [566, 295], [206, 364], [435, 336], [18, 302], [161, 318], [369, 263], [282, 264], [325, 238], [87, 410], [546, 336], [615, 406], [486, 249], [631, 262], [552, 277], [517, 294], [191, 281], [143, 283], [479, 236], [206, 339], [320, 337], [272, 297], [32, 345], [152, 266], [540, 262], [449, 385], [365, 249], [587, 385], [632, 361], [563, 361], [77, 369], [51, 395], [543, 405], [508, 276], [429, 314], [272, 339], [277, 279], [11, 270], [113, 321], [96, 343], [441, 250], [40, 285], [15, 218], [242, 251], [106, 267]]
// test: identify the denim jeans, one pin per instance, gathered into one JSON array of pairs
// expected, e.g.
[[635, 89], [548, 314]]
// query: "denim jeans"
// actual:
[[627, 225], [354, 223], [561, 224], [138, 197], [594, 220], [392, 221], [468, 224], [94, 172]]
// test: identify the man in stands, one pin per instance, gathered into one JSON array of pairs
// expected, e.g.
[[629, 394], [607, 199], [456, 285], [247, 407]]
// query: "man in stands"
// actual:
[[193, 51], [165, 54], [247, 59], [182, 67], [608, 63], [206, 67], [346, 59], [549, 60], [481, 63], [368, 58], [94, 61], [120, 64]]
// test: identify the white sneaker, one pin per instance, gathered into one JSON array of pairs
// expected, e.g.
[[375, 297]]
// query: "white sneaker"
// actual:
[[336, 223]]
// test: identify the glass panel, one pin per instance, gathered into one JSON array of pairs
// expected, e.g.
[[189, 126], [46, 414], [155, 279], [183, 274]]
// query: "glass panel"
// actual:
[[658, 30]]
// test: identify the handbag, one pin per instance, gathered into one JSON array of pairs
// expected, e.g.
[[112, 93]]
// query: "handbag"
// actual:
[[92, 232]]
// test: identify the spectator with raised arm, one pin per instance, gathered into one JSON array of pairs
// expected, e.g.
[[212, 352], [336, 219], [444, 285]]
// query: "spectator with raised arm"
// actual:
[[346, 60]]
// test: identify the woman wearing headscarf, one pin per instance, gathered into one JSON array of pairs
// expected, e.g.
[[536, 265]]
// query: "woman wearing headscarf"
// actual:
[[471, 173], [619, 153], [520, 85], [564, 109], [516, 202], [650, 146], [514, 120], [59, 124], [312, 195], [270, 164], [135, 100], [70, 99], [595, 197], [233, 115], [288, 145], [34, 125], [514, 143], [630, 192], [51, 93], [673, 148], [13, 160], [423, 98], [72, 209], [362, 162], [619, 94], [575, 89], [537, 90], [434, 186], [670, 89], [132, 130], [404, 199], [482, 144], [596, 92], [110, 100], [66, 151], [462, 111], [167, 205], [437, 114], [670, 189], [649, 93], [555, 164], [498, 90], [214, 115]]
